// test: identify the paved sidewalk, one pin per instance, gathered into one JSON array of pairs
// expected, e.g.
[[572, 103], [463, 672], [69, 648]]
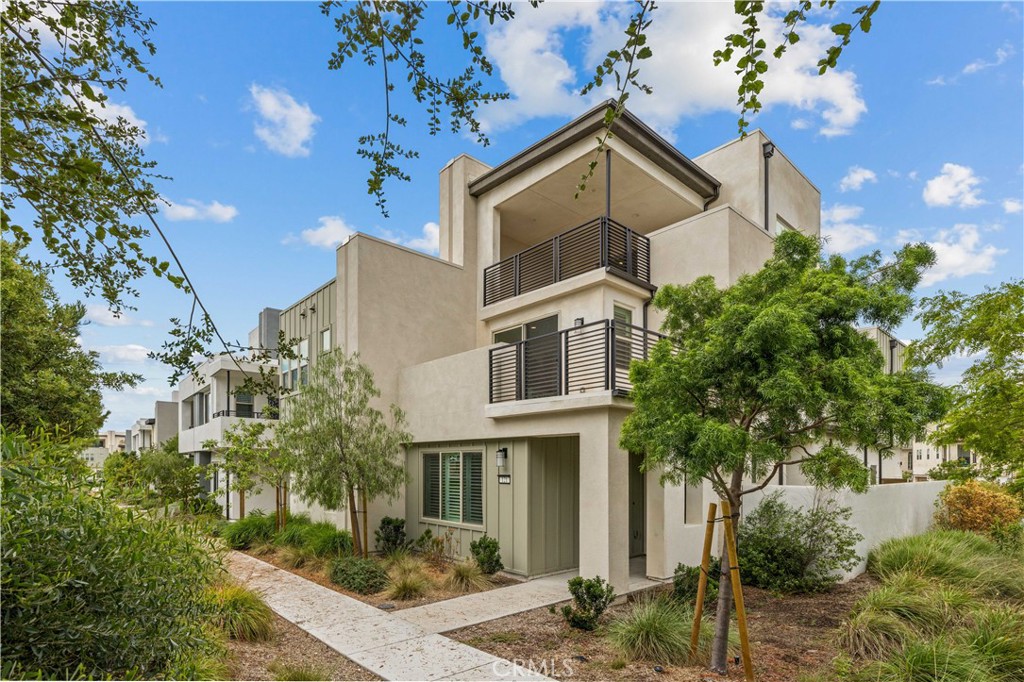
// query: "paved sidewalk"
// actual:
[[452, 614], [387, 644]]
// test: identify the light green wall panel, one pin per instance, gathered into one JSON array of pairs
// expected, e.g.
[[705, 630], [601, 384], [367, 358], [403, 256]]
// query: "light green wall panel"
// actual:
[[553, 504]]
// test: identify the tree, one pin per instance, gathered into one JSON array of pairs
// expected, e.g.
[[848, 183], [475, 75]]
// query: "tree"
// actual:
[[253, 461], [387, 34], [339, 443], [987, 411], [47, 379], [772, 372], [171, 475]]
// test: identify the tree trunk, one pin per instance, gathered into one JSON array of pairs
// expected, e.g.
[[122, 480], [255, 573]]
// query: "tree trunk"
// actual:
[[353, 514], [241, 504], [366, 527], [723, 612]]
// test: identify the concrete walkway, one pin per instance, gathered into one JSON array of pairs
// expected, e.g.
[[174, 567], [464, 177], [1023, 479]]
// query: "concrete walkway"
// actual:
[[452, 614], [386, 644]]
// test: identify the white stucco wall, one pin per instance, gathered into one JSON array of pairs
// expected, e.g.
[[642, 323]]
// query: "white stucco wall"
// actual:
[[882, 513]]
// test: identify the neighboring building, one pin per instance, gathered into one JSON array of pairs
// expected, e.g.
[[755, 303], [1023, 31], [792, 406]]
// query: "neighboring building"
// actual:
[[107, 442], [923, 456], [210, 404], [151, 432]]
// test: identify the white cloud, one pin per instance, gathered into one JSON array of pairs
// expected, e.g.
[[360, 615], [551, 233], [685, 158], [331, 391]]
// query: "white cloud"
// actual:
[[530, 55], [429, 241], [1013, 205], [907, 236], [129, 353], [842, 234], [193, 209], [333, 231], [101, 315], [1002, 54], [285, 126], [855, 179], [799, 124], [958, 253], [955, 186]]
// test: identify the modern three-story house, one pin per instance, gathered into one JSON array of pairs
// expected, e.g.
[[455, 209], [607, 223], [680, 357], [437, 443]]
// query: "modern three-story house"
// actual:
[[509, 352]]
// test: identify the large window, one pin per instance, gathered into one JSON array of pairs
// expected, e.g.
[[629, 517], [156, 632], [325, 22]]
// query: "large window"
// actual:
[[453, 486], [243, 405], [295, 371]]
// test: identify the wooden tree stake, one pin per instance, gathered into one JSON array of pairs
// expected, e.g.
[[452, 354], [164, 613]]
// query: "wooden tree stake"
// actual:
[[737, 591], [702, 582]]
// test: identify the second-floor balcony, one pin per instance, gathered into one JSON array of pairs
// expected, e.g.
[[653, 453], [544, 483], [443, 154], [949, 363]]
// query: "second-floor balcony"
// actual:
[[589, 358], [599, 243], [245, 413]]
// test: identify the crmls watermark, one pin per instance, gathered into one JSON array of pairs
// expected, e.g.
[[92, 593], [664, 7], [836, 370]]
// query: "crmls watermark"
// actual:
[[552, 667]]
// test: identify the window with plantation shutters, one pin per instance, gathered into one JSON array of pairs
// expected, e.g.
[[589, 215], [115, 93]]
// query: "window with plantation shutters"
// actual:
[[472, 487], [451, 502], [432, 485], [453, 487]]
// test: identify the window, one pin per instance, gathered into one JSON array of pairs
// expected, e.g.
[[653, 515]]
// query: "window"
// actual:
[[243, 405], [623, 337], [453, 486], [781, 225], [295, 371], [325, 340]]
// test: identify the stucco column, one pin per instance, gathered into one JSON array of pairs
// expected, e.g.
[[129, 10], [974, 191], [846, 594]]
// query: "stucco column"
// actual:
[[604, 502]]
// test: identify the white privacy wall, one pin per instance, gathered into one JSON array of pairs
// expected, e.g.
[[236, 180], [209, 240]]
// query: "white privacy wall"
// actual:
[[882, 513]]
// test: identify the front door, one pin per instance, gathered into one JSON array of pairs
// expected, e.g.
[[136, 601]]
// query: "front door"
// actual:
[[637, 507]]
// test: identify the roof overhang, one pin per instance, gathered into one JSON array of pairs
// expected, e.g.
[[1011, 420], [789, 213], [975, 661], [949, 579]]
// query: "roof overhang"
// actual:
[[627, 128]]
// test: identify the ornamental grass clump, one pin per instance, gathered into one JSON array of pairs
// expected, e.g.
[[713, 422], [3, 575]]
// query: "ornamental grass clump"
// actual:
[[936, 660], [960, 559], [256, 528], [655, 630], [241, 613], [996, 635], [466, 576]]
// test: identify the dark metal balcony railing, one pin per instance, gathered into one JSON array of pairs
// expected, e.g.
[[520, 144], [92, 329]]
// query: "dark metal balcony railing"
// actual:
[[244, 414], [592, 357], [600, 243]]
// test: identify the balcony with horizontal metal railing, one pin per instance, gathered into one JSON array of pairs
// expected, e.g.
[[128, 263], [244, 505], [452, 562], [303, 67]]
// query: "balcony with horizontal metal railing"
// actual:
[[599, 243], [592, 357], [245, 414]]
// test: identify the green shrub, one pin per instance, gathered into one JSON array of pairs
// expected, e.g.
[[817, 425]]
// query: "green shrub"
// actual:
[[242, 614], [254, 529], [960, 559], [390, 536], [933, 661], [685, 582], [87, 582], [297, 672], [590, 598], [996, 635], [785, 549], [487, 554], [466, 576], [655, 630], [325, 539], [365, 576]]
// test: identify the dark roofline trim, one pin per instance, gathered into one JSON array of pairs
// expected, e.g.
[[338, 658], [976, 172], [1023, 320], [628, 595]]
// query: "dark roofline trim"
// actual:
[[627, 128]]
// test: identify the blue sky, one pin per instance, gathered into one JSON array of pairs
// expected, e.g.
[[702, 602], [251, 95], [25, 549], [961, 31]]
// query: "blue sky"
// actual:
[[917, 137]]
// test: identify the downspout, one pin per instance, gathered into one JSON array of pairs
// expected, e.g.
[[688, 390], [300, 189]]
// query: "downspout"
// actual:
[[768, 149]]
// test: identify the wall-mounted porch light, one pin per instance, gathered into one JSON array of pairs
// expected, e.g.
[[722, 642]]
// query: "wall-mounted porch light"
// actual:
[[578, 322], [501, 458]]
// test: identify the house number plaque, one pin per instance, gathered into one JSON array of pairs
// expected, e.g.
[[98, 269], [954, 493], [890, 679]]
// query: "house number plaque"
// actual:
[[505, 479]]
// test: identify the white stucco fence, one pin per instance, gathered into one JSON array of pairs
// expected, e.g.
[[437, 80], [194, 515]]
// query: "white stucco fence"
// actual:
[[882, 513]]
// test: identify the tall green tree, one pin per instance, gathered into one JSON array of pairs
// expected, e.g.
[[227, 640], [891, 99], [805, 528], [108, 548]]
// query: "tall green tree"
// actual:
[[171, 475], [253, 461], [46, 379], [340, 444], [987, 411], [772, 372]]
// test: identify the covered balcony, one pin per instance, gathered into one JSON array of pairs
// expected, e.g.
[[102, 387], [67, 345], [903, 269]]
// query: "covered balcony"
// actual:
[[590, 358], [598, 243]]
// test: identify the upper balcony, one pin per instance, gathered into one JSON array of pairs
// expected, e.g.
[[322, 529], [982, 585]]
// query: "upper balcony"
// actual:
[[598, 243]]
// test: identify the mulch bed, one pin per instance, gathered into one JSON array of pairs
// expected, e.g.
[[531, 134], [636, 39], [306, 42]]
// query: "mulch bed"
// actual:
[[252, 660], [436, 594], [789, 635]]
